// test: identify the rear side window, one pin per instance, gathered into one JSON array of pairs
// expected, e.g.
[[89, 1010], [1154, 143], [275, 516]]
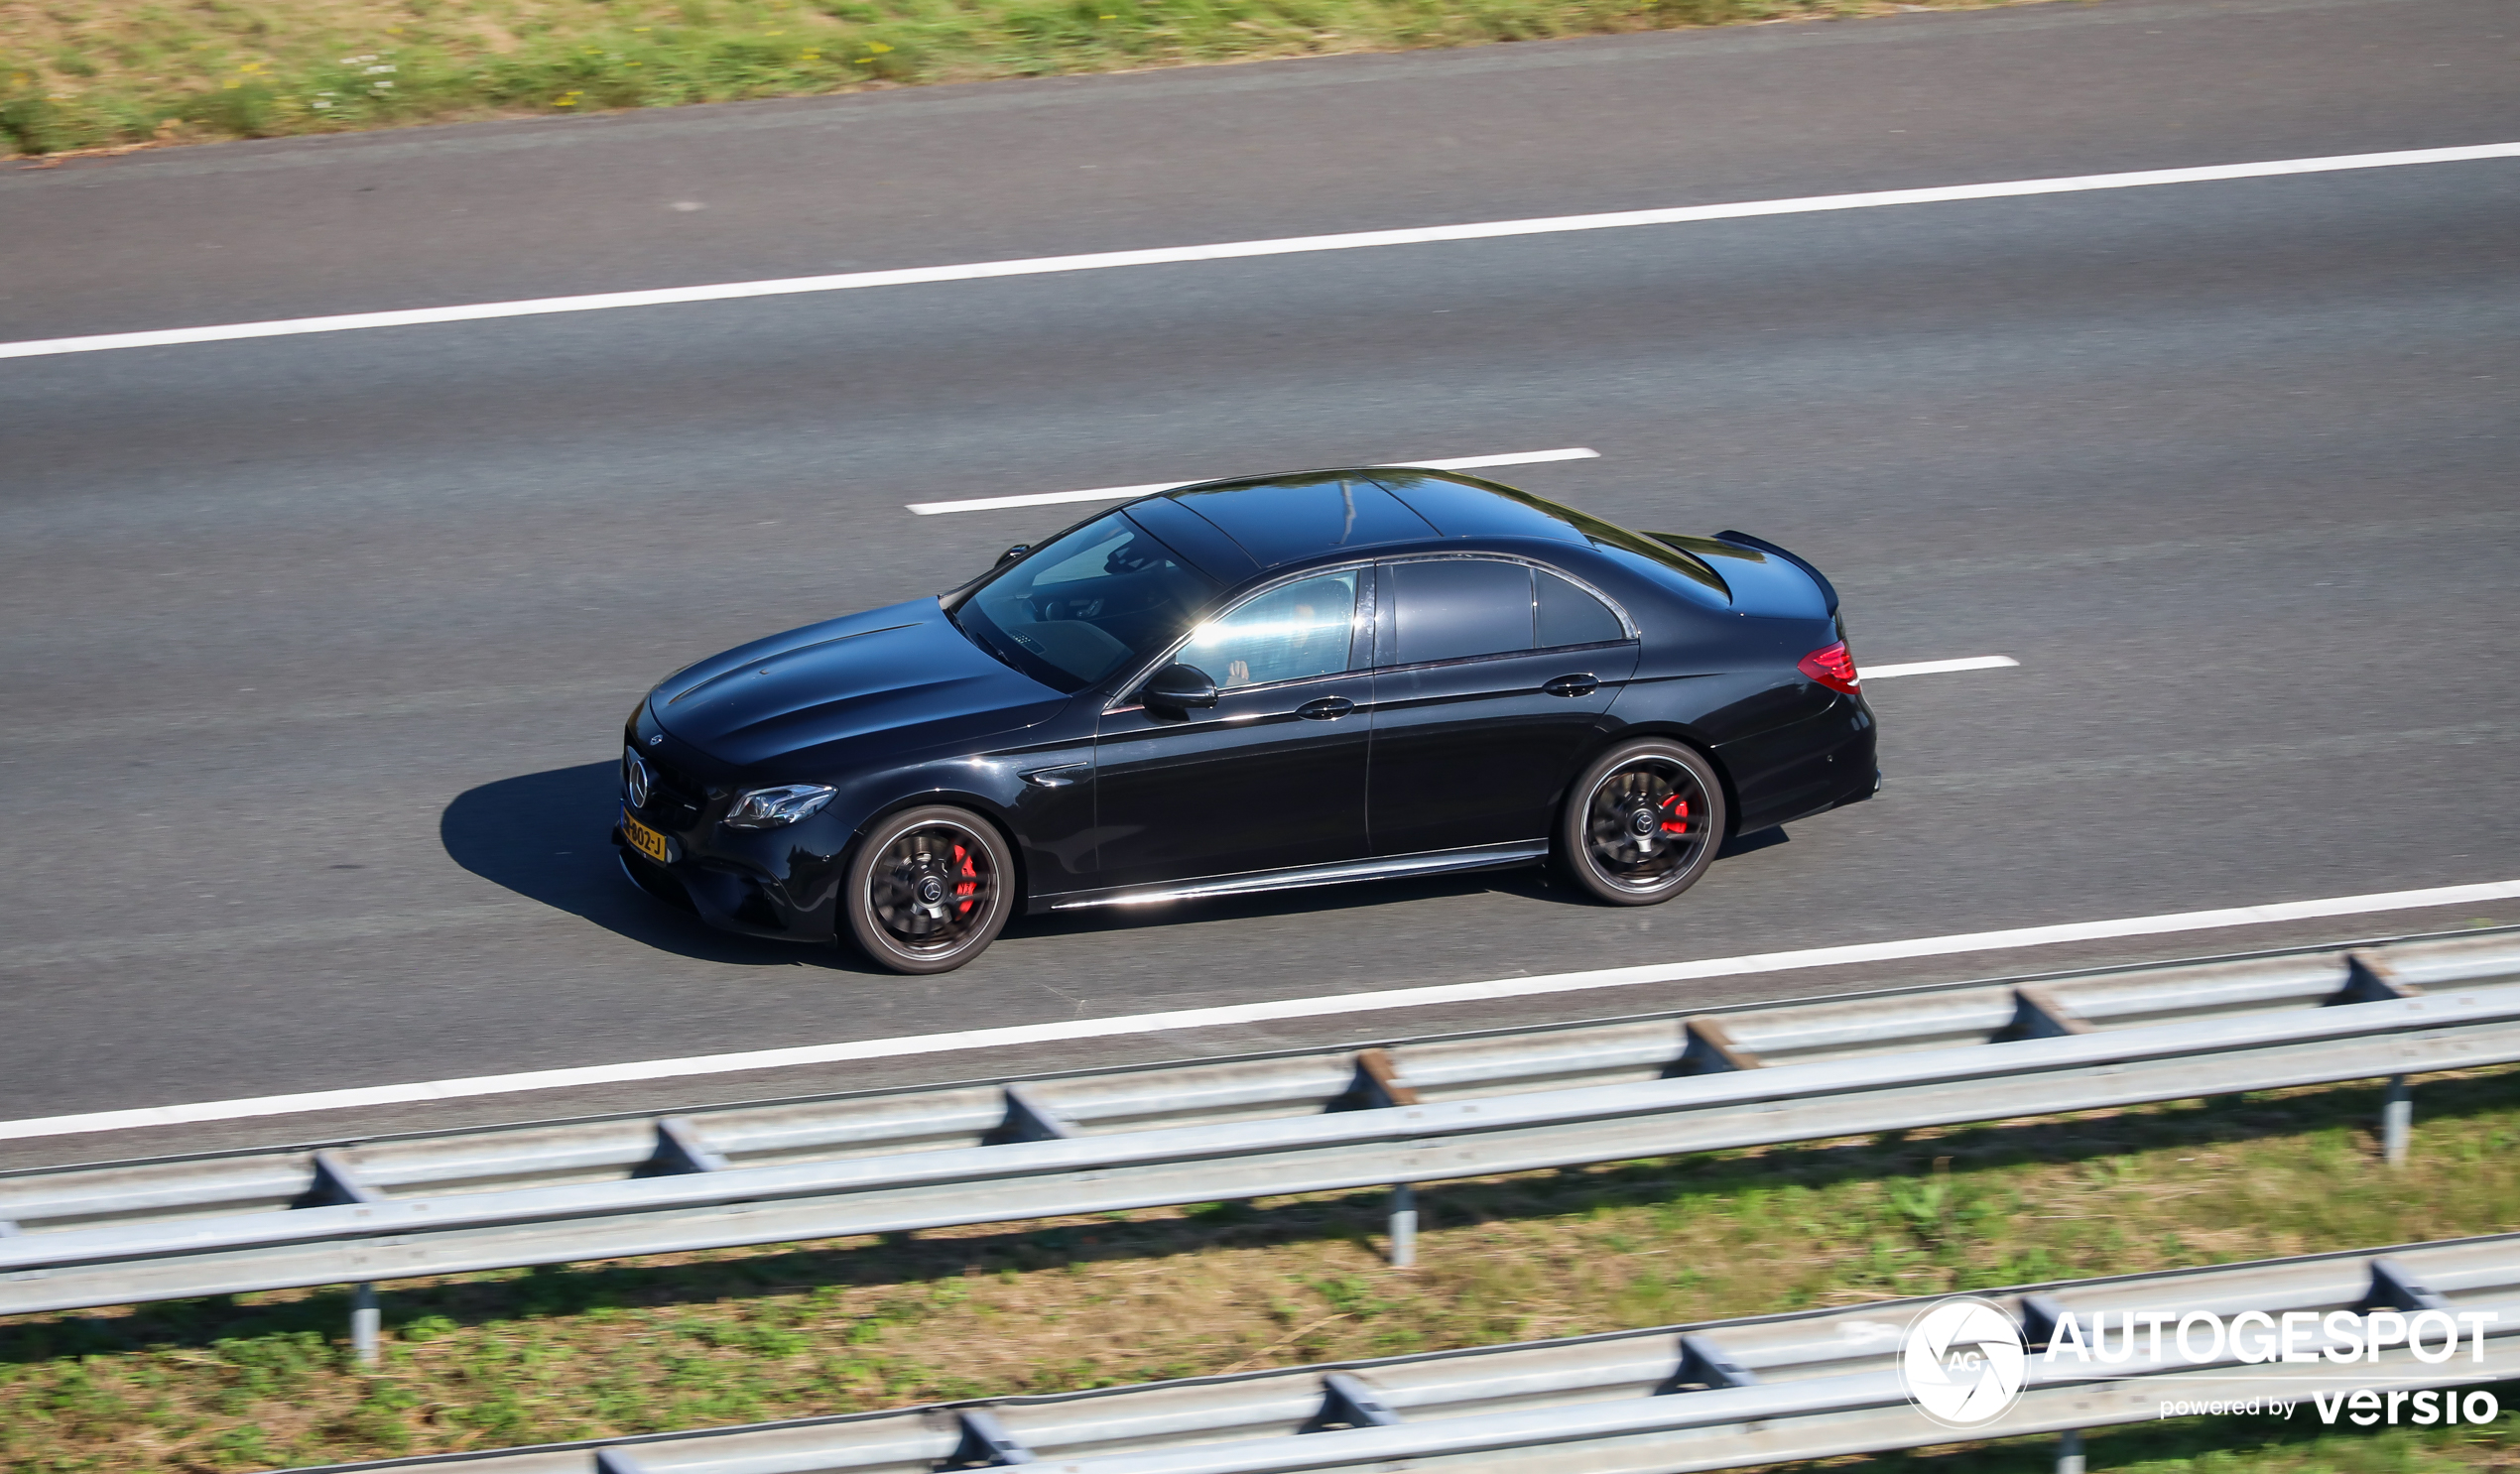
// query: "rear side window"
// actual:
[[1570, 615], [1453, 608]]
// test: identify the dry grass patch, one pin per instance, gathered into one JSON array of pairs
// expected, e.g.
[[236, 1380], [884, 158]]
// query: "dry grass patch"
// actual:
[[79, 74], [530, 1356]]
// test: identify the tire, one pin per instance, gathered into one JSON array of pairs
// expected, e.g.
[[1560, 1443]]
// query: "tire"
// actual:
[[905, 900], [1642, 822]]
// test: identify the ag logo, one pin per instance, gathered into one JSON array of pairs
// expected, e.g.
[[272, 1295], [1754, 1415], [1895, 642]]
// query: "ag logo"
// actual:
[[1962, 1363]]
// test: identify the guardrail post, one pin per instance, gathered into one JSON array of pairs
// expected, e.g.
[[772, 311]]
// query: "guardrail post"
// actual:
[[2393, 1288], [2371, 979], [2397, 1118], [2039, 1014], [2039, 1317], [1404, 1225], [365, 1322], [2041, 1314], [1704, 1363], [681, 1148], [1347, 1403], [985, 1443], [2070, 1452], [1378, 1086], [336, 1182], [1029, 1118], [1711, 1049]]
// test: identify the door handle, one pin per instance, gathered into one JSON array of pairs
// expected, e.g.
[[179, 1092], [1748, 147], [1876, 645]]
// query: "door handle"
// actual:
[[1326, 709], [1571, 685]]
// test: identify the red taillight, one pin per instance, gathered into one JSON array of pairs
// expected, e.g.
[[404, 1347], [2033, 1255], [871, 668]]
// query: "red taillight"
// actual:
[[1833, 667]]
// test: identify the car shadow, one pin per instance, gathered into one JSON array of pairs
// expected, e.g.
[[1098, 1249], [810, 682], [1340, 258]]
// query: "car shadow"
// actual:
[[546, 836], [1751, 844]]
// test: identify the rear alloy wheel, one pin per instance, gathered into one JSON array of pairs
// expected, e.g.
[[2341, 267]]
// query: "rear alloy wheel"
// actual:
[[1642, 822], [930, 889]]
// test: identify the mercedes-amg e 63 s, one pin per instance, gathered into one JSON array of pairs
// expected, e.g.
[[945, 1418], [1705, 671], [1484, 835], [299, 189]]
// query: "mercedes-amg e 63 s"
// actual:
[[1248, 685]]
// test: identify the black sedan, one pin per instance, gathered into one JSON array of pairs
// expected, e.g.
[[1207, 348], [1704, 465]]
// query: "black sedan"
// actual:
[[1251, 685]]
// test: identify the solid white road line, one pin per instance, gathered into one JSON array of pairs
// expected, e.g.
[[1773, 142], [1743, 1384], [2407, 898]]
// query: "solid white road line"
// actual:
[[1256, 1012], [1117, 493], [1237, 250], [1934, 667]]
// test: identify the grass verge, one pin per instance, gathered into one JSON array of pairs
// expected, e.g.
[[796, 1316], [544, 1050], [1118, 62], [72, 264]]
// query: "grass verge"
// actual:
[[87, 74], [487, 1359]]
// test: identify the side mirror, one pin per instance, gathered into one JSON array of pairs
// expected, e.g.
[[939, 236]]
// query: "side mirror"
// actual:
[[1011, 554], [1179, 687]]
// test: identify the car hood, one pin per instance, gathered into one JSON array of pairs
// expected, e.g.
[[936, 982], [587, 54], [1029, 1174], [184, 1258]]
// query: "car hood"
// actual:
[[904, 674]]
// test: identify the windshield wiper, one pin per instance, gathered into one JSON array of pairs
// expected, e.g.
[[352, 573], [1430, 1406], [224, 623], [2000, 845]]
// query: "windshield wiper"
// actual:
[[987, 647]]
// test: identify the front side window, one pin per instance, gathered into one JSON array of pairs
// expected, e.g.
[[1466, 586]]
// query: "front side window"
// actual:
[[1290, 632], [1092, 601], [1455, 608]]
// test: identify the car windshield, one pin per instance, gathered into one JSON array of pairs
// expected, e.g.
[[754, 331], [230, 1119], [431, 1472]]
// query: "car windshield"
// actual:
[[1072, 612]]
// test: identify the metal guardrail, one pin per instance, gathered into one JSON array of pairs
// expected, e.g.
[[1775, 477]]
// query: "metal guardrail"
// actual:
[[1241, 1128], [1714, 1396]]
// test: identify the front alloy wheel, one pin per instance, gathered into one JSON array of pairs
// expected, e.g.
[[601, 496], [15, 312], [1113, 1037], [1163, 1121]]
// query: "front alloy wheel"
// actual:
[[930, 889], [1642, 822]]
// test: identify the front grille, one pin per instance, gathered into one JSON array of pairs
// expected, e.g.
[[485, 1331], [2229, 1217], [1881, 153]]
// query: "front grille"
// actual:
[[675, 799]]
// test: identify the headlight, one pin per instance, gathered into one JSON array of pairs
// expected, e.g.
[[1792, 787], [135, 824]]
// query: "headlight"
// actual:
[[772, 809]]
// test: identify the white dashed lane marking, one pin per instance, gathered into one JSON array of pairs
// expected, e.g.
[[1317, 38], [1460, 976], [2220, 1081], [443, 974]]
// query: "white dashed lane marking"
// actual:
[[1935, 668], [1125, 493]]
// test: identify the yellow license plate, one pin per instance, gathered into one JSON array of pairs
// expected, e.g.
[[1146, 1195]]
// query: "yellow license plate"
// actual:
[[645, 840]]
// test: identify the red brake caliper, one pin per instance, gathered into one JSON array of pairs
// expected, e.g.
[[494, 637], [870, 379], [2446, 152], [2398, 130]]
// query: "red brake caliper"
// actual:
[[1675, 810], [969, 884]]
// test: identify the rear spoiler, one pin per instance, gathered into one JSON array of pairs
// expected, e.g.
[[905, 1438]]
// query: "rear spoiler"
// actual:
[[1827, 590]]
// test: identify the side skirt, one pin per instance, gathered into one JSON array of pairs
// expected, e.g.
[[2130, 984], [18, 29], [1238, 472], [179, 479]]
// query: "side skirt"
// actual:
[[1381, 867]]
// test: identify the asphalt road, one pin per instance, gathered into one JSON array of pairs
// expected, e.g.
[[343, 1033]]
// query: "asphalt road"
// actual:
[[315, 648]]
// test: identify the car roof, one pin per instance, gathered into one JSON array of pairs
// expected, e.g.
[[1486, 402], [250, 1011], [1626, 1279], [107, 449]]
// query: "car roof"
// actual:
[[1279, 520]]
